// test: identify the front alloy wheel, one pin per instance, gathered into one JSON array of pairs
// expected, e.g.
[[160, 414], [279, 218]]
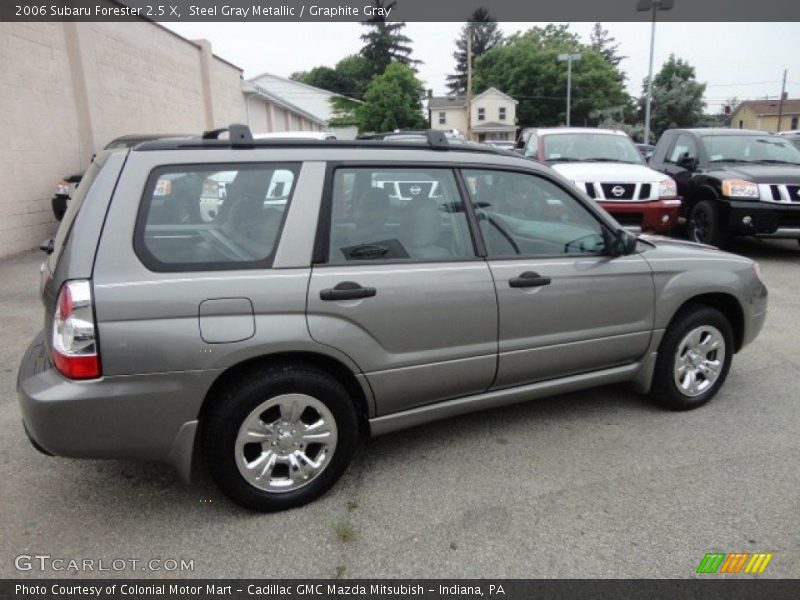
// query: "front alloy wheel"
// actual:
[[699, 360], [693, 358]]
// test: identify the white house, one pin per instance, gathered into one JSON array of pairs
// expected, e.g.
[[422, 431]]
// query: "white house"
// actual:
[[494, 115], [312, 102]]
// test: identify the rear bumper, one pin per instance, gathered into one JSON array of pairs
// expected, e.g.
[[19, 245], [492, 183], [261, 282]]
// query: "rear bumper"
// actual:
[[763, 219], [654, 215], [150, 417]]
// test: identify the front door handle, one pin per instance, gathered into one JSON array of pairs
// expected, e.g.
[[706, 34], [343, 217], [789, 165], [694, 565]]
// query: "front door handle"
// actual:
[[347, 290], [528, 279]]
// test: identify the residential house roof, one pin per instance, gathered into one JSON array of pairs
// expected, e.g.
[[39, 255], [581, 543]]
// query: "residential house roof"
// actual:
[[248, 87], [771, 108], [312, 100], [494, 126], [439, 102]]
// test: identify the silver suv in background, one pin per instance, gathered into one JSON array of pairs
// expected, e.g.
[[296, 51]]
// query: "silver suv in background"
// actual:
[[273, 334]]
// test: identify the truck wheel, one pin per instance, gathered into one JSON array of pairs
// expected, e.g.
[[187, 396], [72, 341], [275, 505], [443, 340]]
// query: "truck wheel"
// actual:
[[280, 438], [704, 224], [693, 359]]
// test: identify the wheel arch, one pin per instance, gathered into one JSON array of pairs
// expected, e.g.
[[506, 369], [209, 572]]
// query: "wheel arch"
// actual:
[[725, 303], [334, 367]]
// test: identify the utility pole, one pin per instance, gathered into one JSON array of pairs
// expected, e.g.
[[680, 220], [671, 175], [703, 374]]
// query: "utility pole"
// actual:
[[780, 104], [569, 58], [469, 81]]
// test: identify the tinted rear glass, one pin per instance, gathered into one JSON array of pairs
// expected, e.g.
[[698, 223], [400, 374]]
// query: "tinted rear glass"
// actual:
[[209, 217]]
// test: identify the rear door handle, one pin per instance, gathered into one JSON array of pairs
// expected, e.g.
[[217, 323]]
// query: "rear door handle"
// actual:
[[347, 290], [528, 279]]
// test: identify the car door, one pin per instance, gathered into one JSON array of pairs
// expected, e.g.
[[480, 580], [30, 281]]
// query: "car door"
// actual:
[[565, 306], [397, 286], [685, 147]]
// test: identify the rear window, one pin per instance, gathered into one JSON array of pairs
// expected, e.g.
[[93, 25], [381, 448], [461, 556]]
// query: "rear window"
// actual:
[[211, 217]]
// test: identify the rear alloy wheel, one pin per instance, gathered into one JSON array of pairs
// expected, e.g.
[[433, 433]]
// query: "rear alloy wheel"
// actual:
[[704, 224], [693, 359], [285, 442], [280, 437]]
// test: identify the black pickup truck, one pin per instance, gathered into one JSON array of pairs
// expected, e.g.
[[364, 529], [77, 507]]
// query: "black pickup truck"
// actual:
[[734, 182]]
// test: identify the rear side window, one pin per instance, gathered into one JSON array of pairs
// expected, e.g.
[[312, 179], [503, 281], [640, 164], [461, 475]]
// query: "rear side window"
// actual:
[[211, 217]]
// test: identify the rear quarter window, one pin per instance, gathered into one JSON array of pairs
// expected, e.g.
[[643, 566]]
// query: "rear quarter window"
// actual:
[[213, 217]]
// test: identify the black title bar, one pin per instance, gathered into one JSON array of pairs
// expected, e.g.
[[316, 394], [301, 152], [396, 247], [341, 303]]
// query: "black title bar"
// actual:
[[404, 10]]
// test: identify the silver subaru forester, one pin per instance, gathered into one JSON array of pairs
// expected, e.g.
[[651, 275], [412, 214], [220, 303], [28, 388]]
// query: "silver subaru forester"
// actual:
[[266, 303]]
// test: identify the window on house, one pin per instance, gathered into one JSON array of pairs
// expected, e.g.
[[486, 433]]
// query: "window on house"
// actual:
[[481, 114], [442, 118], [501, 113], [741, 124], [794, 122]]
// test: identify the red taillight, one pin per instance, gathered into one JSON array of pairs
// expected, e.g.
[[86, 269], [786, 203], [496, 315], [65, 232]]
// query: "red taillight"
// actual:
[[74, 337]]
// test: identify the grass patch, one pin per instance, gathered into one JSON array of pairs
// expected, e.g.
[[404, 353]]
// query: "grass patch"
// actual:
[[344, 531]]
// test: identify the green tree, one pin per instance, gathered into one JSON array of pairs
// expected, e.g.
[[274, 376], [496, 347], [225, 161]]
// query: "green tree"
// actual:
[[384, 42], [526, 67], [603, 42], [485, 36], [677, 97], [392, 101], [350, 77]]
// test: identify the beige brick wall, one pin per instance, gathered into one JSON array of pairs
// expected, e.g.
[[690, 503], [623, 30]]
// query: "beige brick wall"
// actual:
[[137, 77], [39, 129]]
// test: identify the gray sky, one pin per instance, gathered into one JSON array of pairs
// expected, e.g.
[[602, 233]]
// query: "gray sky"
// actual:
[[735, 59]]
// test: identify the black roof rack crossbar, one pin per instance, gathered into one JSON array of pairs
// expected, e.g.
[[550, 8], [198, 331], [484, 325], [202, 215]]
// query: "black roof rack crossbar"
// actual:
[[437, 140], [239, 135]]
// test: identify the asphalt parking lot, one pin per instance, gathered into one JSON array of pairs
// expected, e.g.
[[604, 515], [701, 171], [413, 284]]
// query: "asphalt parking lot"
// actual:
[[592, 484]]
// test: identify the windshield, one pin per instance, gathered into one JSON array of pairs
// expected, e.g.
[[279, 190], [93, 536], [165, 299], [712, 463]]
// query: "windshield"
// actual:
[[750, 148], [590, 147]]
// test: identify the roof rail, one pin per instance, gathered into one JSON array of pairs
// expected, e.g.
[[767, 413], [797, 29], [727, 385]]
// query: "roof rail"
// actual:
[[239, 135]]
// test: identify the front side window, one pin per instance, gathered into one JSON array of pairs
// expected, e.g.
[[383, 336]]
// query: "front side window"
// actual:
[[198, 217], [684, 148], [386, 214], [442, 118], [501, 113], [481, 114], [526, 215]]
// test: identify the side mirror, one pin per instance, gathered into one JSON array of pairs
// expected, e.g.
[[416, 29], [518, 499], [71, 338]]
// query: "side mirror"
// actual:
[[687, 162], [620, 242]]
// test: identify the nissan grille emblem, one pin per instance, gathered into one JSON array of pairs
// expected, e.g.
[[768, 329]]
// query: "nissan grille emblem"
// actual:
[[415, 190], [618, 190]]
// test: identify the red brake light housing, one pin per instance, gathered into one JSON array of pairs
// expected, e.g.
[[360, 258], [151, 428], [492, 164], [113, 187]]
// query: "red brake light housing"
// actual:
[[74, 339]]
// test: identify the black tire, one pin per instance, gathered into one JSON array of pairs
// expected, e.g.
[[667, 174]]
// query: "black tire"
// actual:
[[221, 424], [664, 389], [705, 225]]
